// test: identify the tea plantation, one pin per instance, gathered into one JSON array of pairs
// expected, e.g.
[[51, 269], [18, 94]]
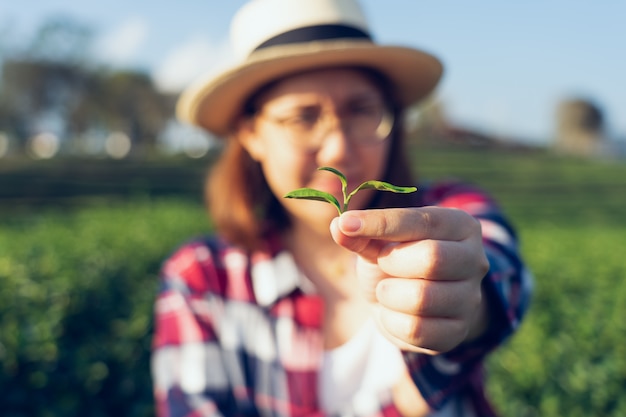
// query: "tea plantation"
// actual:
[[79, 272], [569, 357]]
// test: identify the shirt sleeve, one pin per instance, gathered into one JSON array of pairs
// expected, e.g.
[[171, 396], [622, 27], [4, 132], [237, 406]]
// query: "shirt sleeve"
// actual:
[[507, 285], [184, 342]]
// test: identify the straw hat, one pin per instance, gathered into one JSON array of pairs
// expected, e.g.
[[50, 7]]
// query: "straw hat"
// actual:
[[275, 38]]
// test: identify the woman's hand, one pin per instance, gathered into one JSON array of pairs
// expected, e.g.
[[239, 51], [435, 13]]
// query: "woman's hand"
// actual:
[[422, 267]]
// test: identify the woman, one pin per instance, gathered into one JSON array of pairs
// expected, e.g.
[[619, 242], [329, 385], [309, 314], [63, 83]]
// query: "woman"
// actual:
[[291, 310]]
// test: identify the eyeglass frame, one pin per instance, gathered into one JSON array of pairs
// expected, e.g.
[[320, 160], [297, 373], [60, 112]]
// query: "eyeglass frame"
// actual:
[[387, 122]]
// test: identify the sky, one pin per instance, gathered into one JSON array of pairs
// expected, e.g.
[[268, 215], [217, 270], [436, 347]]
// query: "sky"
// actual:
[[508, 64]]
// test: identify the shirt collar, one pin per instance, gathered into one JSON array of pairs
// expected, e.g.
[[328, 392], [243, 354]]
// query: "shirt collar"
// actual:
[[275, 277]]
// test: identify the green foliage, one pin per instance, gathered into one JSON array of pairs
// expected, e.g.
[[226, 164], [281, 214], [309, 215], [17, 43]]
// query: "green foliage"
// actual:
[[76, 305], [568, 357], [317, 195], [78, 286], [537, 187]]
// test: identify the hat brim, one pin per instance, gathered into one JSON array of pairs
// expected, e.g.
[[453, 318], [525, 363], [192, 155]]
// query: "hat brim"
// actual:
[[214, 102]]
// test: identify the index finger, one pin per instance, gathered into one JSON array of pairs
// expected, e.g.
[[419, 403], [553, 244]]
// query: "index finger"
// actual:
[[408, 224]]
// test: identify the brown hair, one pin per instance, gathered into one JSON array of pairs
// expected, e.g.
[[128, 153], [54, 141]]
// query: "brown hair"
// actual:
[[244, 209]]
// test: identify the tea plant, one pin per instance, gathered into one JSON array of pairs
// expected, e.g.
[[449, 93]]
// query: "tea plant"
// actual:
[[317, 195]]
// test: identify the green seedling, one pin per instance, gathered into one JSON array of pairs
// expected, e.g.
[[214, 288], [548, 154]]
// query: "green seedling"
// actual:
[[317, 195]]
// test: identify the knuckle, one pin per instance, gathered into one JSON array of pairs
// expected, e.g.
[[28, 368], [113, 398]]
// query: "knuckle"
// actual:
[[414, 332], [475, 226], [472, 224], [383, 226], [483, 266], [428, 222], [425, 300], [377, 223], [447, 336], [436, 257]]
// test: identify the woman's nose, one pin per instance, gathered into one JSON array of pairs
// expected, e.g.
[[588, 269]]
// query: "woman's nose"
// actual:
[[336, 146]]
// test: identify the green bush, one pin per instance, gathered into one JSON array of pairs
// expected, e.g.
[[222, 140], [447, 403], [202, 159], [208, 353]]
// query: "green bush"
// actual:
[[76, 305], [569, 357], [78, 286]]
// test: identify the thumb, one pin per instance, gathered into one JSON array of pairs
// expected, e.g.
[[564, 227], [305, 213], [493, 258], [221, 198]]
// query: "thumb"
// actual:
[[344, 231]]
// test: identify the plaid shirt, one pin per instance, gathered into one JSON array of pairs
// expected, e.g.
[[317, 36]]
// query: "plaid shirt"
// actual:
[[239, 334]]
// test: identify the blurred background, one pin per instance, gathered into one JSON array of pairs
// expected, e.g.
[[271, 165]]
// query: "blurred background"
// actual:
[[99, 182], [101, 79]]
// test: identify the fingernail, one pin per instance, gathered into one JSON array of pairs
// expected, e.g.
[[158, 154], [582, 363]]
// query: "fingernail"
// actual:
[[350, 224]]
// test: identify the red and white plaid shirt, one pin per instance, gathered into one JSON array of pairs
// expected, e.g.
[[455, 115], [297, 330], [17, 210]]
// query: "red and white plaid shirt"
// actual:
[[239, 334]]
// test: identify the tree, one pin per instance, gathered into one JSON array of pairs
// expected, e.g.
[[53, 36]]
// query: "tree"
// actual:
[[53, 79]]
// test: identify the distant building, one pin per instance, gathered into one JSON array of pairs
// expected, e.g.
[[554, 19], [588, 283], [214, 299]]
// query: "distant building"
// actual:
[[580, 128]]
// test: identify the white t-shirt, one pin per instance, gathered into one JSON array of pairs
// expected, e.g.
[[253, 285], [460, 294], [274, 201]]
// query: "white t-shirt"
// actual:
[[357, 374]]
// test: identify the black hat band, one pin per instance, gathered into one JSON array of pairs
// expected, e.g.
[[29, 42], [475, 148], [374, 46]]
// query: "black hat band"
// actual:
[[315, 33]]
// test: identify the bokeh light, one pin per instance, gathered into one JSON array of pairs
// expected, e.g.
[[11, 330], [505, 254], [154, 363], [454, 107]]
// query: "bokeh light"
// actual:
[[43, 145]]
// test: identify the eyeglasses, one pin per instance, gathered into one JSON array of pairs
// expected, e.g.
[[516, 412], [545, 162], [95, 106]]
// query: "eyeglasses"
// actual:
[[364, 123]]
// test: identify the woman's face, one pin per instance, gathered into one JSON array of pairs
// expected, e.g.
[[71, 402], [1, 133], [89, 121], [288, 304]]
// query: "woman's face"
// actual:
[[320, 118]]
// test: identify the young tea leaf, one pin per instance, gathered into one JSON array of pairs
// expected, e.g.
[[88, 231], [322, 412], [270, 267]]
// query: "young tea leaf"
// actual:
[[315, 195], [342, 178], [335, 171], [382, 186]]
